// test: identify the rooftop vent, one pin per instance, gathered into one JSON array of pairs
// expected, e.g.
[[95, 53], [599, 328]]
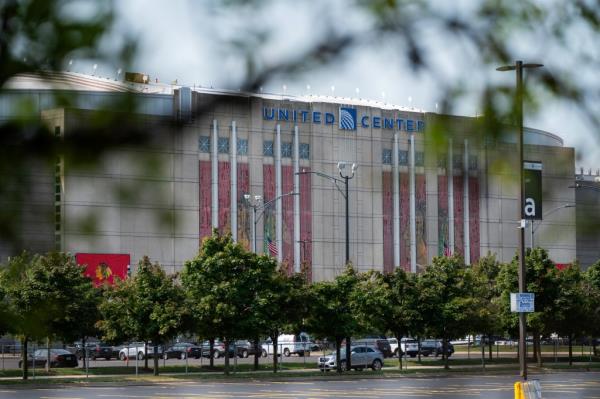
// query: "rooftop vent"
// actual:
[[136, 77]]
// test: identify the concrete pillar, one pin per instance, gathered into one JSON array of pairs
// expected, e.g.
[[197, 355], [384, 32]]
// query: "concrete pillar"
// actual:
[[467, 248], [214, 170], [296, 200], [278, 202], [413, 212], [396, 199], [233, 179], [450, 173]]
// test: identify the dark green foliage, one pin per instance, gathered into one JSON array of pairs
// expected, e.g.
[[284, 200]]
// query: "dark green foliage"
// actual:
[[446, 294], [147, 307]]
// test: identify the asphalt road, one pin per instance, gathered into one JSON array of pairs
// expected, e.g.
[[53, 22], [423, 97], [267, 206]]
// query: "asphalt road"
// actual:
[[554, 386]]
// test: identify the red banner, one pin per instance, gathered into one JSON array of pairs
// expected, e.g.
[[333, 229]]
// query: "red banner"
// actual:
[[103, 268]]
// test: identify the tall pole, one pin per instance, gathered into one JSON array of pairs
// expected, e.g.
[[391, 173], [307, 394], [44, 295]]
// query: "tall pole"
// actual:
[[522, 288], [254, 229], [347, 223], [518, 68]]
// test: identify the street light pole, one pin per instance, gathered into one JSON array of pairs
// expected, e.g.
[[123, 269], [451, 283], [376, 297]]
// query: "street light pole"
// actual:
[[255, 203], [344, 180], [518, 67]]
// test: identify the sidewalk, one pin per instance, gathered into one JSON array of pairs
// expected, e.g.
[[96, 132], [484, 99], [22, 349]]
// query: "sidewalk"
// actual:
[[388, 371]]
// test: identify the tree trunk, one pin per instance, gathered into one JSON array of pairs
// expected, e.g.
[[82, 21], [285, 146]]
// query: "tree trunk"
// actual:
[[156, 358], [570, 349], [444, 352], [399, 338], [419, 348], [338, 363], [538, 345], [24, 342], [145, 355], [84, 357], [226, 343], [490, 347], [348, 354], [211, 349], [275, 352], [47, 354], [257, 352]]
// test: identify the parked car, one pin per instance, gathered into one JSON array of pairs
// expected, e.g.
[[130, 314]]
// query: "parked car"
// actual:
[[95, 350], [435, 347], [137, 349], [244, 348], [290, 344], [187, 350], [40, 361], [361, 358], [218, 350], [171, 352], [410, 347], [379, 342], [394, 347], [58, 358]]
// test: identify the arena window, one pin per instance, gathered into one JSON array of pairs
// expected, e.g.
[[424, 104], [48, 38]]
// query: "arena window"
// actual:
[[242, 146], [204, 144], [223, 145], [286, 150], [268, 148], [304, 151], [386, 156]]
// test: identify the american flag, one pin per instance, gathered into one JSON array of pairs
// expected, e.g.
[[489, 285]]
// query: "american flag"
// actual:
[[272, 247], [446, 250]]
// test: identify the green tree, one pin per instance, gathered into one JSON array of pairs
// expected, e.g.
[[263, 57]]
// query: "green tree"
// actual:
[[542, 281], [147, 307], [592, 292], [445, 292], [281, 305], [486, 295], [570, 317], [46, 295], [222, 282], [388, 303], [331, 312]]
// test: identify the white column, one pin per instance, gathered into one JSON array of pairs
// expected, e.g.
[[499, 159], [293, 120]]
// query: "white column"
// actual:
[[396, 199], [450, 173], [233, 179], [413, 212], [278, 202], [467, 248], [296, 200], [215, 176]]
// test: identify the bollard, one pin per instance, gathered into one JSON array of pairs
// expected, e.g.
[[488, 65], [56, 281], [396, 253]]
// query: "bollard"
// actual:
[[519, 390]]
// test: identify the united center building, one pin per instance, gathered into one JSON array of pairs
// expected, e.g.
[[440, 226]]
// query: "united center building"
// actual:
[[422, 185]]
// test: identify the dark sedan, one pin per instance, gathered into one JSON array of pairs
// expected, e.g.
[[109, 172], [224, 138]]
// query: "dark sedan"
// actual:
[[58, 358], [245, 348], [95, 350], [171, 353], [187, 350]]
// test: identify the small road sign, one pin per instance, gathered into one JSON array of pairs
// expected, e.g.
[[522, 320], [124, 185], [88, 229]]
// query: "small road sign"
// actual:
[[522, 302]]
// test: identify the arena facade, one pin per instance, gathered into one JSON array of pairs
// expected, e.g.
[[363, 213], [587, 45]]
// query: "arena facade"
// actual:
[[424, 184]]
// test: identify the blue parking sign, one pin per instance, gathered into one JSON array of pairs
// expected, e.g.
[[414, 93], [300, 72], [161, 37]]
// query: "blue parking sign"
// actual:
[[522, 302]]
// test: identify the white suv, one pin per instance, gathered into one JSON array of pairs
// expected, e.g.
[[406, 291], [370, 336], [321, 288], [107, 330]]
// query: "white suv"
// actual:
[[136, 349]]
